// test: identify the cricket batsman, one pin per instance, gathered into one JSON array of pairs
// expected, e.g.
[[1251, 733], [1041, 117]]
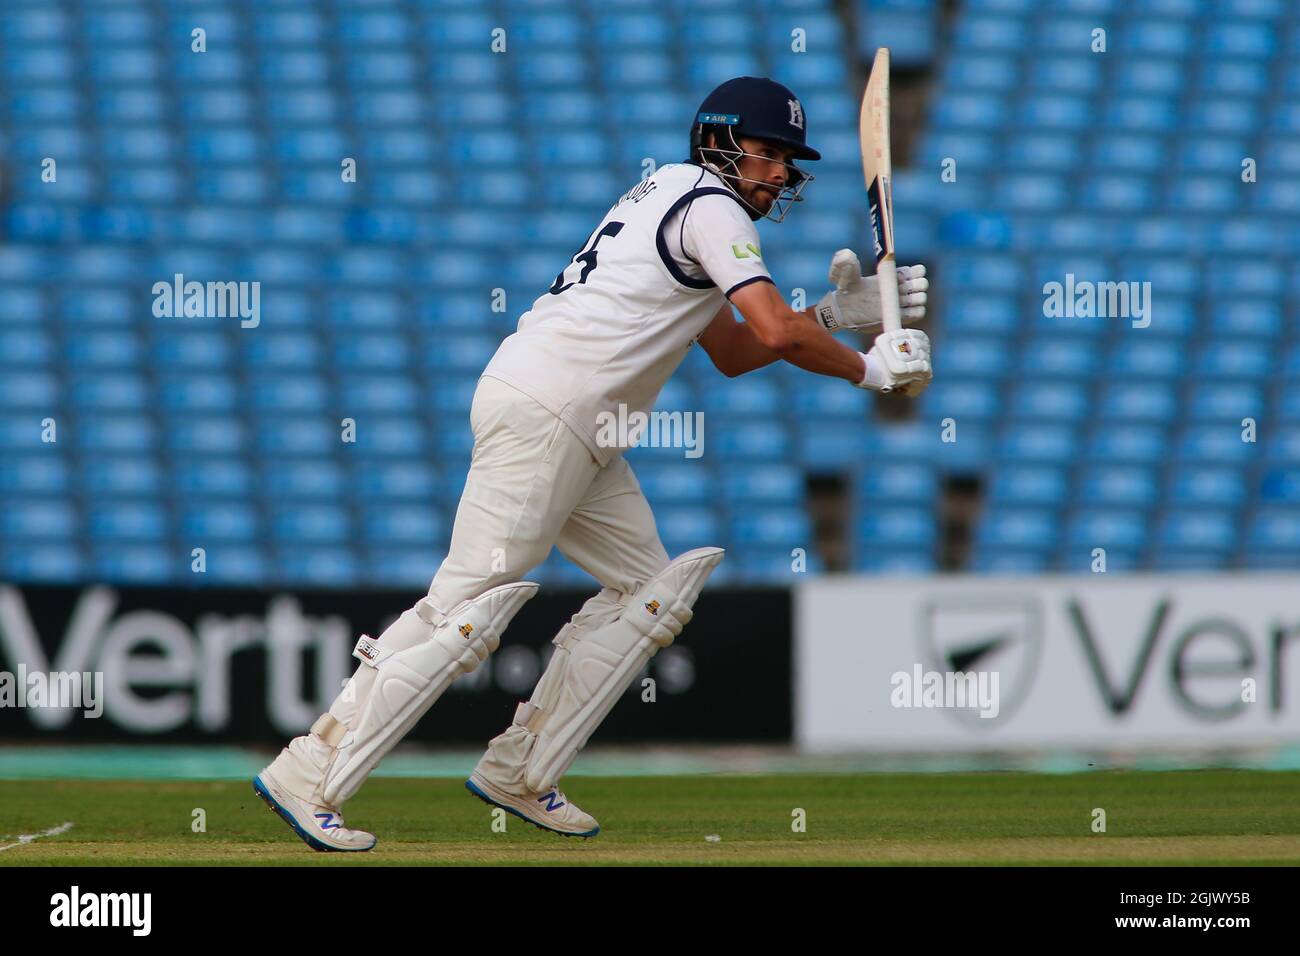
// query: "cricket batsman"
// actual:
[[663, 270]]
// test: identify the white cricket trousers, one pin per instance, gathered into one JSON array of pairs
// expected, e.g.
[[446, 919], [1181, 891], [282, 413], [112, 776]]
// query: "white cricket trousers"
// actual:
[[533, 484]]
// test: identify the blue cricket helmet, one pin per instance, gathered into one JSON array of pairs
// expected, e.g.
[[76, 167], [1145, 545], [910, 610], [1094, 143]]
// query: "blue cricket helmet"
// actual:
[[758, 107]]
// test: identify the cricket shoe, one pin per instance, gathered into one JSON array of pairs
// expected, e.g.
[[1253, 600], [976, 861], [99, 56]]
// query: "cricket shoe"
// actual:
[[320, 827], [550, 810]]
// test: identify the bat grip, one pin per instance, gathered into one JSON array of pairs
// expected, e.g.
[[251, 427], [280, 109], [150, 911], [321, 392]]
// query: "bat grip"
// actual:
[[890, 321]]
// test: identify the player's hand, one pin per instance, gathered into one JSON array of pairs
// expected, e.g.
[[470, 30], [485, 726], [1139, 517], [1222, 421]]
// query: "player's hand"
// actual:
[[898, 361], [854, 303]]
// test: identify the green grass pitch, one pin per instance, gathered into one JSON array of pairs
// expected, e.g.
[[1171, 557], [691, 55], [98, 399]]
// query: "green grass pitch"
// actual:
[[1234, 817]]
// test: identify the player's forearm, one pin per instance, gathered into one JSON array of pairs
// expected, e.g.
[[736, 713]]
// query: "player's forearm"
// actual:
[[744, 352], [800, 341], [793, 336]]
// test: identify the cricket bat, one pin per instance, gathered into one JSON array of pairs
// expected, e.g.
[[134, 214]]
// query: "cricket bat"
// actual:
[[873, 128]]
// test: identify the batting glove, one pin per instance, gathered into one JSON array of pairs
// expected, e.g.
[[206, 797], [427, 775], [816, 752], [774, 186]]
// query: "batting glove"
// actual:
[[899, 360], [854, 303]]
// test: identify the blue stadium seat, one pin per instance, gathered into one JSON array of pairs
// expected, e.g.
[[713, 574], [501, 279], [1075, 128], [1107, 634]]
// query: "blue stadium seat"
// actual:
[[1219, 443], [1141, 114], [403, 480], [411, 524], [1065, 74], [1198, 531], [744, 397], [1016, 484], [773, 526], [998, 560], [297, 436], [316, 523], [212, 477], [1032, 442], [742, 439], [401, 567], [206, 435], [1135, 153], [1275, 528], [1062, 357], [379, 394], [51, 563], [1139, 402], [1051, 401], [26, 347], [37, 518], [1283, 445], [1054, 111], [1122, 485], [1041, 150], [987, 314], [896, 563], [972, 357], [678, 483], [1113, 192], [1133, 443], [960, 110], [127, 519], [688, 527], [122, 433], [38, 473], [1120, 529], [881, 529], [28, 389], [138, 564], [1209, 486], [1147, 359], [231, 563], [1015, 527], [896, 482], [1229, 401], [990, 34], [774, 484], [962, 399], [298, 479], [218, 521], [915, 441], [973, 71], [1281, 486], [298, 393], [775, 567], [319, 564]]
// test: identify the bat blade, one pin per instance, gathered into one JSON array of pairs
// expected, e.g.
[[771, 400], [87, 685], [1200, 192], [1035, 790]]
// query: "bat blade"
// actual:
[[873, 129]]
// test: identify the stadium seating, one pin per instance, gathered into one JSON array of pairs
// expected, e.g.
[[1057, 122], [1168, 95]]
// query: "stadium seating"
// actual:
[[478, 175]]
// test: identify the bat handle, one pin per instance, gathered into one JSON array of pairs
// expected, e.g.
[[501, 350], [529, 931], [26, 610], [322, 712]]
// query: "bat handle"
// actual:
[[890, 320]]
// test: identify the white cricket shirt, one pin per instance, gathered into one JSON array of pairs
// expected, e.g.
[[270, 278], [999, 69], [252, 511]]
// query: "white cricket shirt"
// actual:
[[618, 320]]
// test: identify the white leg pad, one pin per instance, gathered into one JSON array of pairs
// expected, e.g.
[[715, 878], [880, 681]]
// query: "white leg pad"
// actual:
[[591, 668], [407, 680]]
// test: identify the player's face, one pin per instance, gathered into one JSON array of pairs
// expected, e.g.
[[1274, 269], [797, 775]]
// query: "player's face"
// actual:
[[767, 167]]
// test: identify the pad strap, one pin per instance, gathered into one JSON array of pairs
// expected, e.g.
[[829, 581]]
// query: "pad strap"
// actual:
[[530, 717], [328, 729]]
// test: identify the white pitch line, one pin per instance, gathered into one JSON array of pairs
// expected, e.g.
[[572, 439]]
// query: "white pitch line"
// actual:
[[25, 838]]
